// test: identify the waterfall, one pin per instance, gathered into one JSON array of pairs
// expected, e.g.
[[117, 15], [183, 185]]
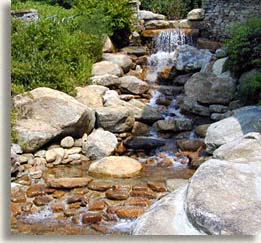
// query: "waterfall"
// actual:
[[165, 45]]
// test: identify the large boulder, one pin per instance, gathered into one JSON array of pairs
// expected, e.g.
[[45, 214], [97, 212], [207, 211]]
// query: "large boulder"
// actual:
[[115, 119], [207, 88], [242, 150], [133, 85], [91, 95], [99, 144], [148, 15], [242, 121], [106, 67], [115, 166], [166, 217], [44, 114], [121, 59], [190, 58], [223, 198]]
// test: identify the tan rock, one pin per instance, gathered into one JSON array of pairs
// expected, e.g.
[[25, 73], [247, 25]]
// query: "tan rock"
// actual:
[[69, 182]]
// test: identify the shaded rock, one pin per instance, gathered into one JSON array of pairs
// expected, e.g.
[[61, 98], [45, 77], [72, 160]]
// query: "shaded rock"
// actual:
[[196, 14], [188, 104], [121, 59], [203, 43], [115, 119], [220, 116], [182, 79], [91, 95], [44, 114], [242, 121], [140, 129], [218, 67], [242, 150], [218, 108], [207, 88], [67, 142], [115, 166], [148, 15], [135, 50], [201, 130], [69, 182], [215, 209], [190, 58], [166, 217], [106, 67], [221, 53], [99, 144], [143, 143], [173, 124], [106, 80], [133, 85], [190, 145]]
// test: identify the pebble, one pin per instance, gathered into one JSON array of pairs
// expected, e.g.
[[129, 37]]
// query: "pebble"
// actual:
[[67, 142], [42, 200], [91, 217], [99, 186], [97, 205], [129, 212], [36, 190]]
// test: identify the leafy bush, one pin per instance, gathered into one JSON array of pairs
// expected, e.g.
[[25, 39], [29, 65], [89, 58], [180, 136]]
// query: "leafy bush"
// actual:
[[58, 50], [244, 46], [173, 9], [250, 90]]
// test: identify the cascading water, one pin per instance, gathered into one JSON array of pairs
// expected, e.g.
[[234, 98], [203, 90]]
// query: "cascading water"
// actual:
[[164, 53]]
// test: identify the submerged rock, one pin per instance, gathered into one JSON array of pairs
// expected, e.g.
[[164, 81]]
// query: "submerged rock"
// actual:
[[69, 182], [174, 124], [143, 143], [44, 114], [116, 166]]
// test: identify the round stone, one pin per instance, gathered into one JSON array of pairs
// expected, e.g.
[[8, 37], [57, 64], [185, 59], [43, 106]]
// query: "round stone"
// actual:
[[115, 166], [67, 142]]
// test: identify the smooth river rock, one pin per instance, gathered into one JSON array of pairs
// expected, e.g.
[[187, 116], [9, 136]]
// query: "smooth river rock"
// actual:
[[122, 60], [115, 166], [133, 85], [44, 114], [223, 198], [106, 67]]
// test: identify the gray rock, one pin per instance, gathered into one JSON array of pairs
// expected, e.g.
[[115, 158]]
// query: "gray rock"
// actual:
[[244, 120], [99, 144], [218, 108], [207, 88], [44, 114], [218, 66], [91, 95], [133, 85], [135, 50], [196, 14], [121, 59], [54, 155], [106, 80], [221, 52], [115, 119], [188, 104], [219, 116], [166, 217], [223, 198], [242, 150], [190, 58], [106, 67], [143, 143], [201, 130], [173, 124], [148, 15], [156, 24]]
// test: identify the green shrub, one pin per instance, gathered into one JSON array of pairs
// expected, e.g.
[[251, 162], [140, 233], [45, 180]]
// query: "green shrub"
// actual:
[[244, 46], [173, 9], [250, 90]]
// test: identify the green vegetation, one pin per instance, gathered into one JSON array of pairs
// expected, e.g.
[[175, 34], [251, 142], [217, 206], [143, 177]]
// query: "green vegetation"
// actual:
[[244, 46], [250, 90], [58, 50], [244, 54], [173, 9]]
